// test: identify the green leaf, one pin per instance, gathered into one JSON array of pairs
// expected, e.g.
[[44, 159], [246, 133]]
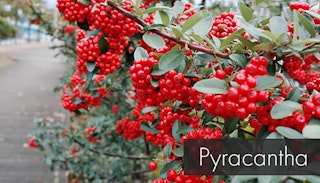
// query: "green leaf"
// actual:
[[267, 82], [140, 53], [314, 121], [313, 14], [203, 27], [164, 18], [156, 26], [295, 25], [284, 109], [193, 20], [211, 86], [232, 37], [269, 178], [177, 32], [240, 59], [167, 150], [77, 101], [178, 151], [146, 127], [278, 25], [274, 135], [158, 72], [230, 125], [307, 25], [263, 132], [311, 131], [264, 47], [103, 45], [243, 178], [171, 60], [90, 66], [154, 83], [184, 129], [153, 40], [149, 109], [154, 9], [271, 35], [245, 11], [247, 42], [178, 7], [172, 165], [294, 94], [85, 2], [175, 129], [289, 132], [255, 32]]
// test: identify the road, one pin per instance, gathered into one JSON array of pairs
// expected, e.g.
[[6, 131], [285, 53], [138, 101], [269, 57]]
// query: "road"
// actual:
[[26, 92]]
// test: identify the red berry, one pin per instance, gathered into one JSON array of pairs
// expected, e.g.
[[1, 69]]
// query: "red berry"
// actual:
[[152, 166], [171, 175], [32, 143]]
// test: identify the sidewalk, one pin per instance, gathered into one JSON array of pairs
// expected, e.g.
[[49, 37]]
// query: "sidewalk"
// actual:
[[26, 92]]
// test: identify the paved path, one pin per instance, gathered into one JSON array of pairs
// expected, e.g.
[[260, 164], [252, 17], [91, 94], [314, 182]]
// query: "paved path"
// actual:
[[26, 92]]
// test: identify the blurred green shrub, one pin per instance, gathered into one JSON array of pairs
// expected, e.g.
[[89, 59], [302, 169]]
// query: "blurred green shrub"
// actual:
[[6, 30]]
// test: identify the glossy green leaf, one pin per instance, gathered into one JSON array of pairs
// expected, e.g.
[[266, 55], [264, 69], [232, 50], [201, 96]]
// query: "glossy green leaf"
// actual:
[[294, 94], [171, 60], [203, 27], [177, 32], [267, 82], [274, 135], [158, 72], [284, 109], [264, 47], [90, 66], [241, 60], [153, 40], [253, 31], [85, 2], [77, 101], [178, 7], [178, 151], [167, 150], [295, 25], [149, 109], [157, 8], [278, 25], [175, 129], [211, 86], [258, 2], [311, 131], [231, 124], [146, 127], [307, 24], [140, 53], [263, 132], [245, 11], [193, 20], [103, 45], [164, 18], [289, 132], [231, 37]]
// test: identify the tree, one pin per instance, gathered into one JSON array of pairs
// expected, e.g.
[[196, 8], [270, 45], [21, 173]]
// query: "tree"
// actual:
[[148, 76]]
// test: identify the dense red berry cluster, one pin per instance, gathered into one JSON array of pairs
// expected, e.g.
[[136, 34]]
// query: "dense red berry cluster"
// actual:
[[241, 101], [75, 95], [299, 6], [302, 71], [73, 10], [130, 129], [224, 25], [174, 176]]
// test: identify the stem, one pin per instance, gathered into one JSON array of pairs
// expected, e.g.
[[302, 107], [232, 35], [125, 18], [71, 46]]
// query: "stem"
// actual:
[[113, 155], [165, 35]]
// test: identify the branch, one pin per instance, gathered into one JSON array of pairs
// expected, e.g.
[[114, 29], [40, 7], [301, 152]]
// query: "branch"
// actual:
[[165, 35], [113, 155]]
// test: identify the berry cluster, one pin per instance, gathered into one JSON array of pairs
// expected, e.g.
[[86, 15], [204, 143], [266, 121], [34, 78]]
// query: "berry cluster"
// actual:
[[299, 6], [91, 137], [224, 25], [76, 95], [174, 176], [302, 71], [241, 101], [73, 10]]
